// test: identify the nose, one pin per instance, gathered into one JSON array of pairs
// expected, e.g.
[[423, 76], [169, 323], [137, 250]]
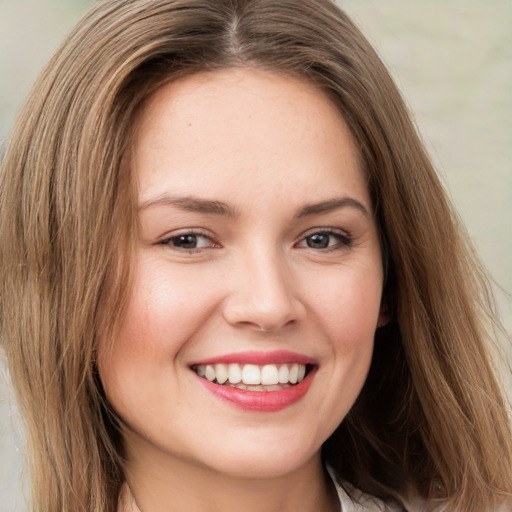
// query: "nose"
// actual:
[[264, 294]]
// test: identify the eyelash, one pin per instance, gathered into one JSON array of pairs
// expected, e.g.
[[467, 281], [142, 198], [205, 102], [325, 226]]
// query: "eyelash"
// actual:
[[343, 240], [169, 241]]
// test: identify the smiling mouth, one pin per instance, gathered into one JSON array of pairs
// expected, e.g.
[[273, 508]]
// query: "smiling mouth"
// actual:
[[252, 377]]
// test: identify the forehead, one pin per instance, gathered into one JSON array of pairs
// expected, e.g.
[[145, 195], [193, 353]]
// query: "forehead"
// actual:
[[247, 126]]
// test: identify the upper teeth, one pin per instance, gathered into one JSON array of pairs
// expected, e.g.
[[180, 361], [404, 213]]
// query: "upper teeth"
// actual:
[[251, 374]]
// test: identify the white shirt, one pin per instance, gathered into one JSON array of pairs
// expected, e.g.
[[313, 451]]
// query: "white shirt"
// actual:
[[358, 501]]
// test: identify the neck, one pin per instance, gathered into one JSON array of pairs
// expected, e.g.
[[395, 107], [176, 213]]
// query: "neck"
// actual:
[[175, 485]]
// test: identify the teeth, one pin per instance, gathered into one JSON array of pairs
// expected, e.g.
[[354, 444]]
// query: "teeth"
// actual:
[[269, 377], [209, 373], [284, 374], [251, 375], [221, 373], [235, 374], [294, 373]]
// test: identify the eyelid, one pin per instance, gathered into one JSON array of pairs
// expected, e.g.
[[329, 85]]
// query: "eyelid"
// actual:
[[166, 239], [325, 229], [345, 238]]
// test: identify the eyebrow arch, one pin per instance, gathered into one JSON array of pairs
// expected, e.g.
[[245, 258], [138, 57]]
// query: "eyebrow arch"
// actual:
[[192, 204], [331, 204]]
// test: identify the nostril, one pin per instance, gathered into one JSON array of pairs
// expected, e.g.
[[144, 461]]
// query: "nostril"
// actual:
[[263, 316]]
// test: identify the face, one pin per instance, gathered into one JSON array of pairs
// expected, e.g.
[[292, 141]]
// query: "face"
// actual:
[[258, 277]]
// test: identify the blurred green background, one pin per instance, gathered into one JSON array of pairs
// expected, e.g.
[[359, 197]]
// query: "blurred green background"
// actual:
[[453, 62]]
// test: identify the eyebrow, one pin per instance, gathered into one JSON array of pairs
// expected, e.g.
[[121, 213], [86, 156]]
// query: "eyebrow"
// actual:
[[207, 206], [192, 204], [330, 205]]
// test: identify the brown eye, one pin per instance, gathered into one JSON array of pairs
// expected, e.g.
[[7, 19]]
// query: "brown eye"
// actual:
[[184, 241], [188, 241]]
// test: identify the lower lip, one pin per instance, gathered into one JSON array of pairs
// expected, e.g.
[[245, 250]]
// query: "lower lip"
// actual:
[[261, 401]]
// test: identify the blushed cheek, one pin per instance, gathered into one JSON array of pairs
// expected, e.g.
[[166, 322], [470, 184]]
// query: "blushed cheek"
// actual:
[[353, 329], [351, 310], [166, 308]]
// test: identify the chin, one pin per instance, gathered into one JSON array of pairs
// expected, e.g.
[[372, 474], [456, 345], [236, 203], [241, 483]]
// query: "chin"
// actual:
[[271, 460]]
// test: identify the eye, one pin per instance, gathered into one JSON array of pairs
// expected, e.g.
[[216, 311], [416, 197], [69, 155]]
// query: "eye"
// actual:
[[325, 239], [189, 241]]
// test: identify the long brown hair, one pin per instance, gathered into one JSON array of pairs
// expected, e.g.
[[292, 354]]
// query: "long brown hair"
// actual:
[[431, 418]]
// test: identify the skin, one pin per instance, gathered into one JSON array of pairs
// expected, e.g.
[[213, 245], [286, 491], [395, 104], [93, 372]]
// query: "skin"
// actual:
[[266, 146]]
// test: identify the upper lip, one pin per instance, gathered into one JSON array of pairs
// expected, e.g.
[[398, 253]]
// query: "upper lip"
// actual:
[[258, 358]]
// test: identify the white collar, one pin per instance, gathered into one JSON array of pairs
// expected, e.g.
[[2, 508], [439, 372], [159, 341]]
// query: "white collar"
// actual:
[[354, 500]]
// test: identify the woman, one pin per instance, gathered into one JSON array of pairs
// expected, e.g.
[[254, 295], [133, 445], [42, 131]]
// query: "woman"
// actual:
[[230, 274]]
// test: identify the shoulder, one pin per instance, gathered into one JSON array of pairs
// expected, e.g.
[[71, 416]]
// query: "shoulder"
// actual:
[[354, 500]]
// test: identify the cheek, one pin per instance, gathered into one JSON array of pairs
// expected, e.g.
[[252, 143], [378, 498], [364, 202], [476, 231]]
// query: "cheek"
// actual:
[[164, 312], [345, 306], [350, 305], [350, 313], [165, 309]]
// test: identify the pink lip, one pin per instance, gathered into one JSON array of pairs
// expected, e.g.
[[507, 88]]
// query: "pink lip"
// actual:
[[259, 358], [261, 401]]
